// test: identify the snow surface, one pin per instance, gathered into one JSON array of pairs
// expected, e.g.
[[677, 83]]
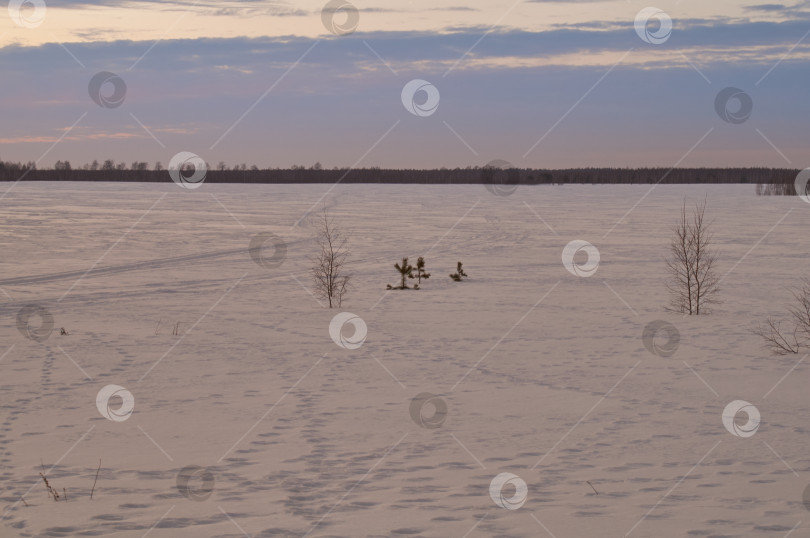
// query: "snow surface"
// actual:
[[543, 373]]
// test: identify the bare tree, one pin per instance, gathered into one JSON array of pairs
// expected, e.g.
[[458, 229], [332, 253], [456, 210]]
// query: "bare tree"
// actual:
[[329, 266], [679, 267], [781, 342], [693, 283]]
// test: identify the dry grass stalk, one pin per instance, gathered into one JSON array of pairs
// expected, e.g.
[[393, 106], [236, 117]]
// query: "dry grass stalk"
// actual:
[[51, 491], [96, 480]]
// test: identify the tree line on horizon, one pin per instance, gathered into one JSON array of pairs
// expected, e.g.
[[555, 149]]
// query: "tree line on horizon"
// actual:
[[108, 170]]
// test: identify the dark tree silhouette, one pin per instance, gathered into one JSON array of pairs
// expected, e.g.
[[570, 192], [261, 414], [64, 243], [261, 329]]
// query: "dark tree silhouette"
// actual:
[[770, 180]]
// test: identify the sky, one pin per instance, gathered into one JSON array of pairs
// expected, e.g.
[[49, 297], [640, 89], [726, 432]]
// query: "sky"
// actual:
[[408, 84]]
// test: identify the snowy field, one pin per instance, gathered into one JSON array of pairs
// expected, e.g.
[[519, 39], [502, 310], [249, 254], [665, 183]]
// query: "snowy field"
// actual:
[[535, 371]]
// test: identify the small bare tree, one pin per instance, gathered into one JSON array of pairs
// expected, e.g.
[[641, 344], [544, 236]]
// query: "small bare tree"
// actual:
[[329, 266], [781, 342], [693, 283]]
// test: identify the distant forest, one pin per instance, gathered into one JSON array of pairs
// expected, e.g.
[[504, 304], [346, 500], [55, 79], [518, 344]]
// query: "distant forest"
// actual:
[[771, 180]]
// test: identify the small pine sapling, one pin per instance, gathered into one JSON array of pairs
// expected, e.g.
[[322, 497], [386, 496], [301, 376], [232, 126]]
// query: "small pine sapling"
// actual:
[[459, 274], [405, 271], [420, 271]]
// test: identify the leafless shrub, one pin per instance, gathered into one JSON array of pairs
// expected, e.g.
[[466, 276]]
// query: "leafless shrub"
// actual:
[[801, 311], [329, 266], [693, 284], [782, 342], [786, 188], [776, 340]]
